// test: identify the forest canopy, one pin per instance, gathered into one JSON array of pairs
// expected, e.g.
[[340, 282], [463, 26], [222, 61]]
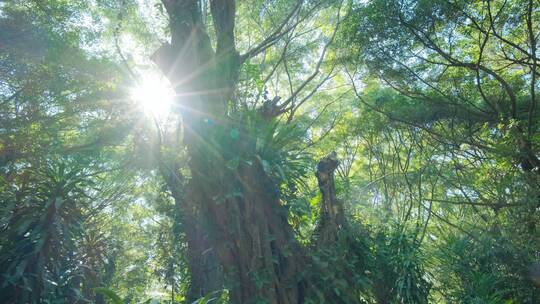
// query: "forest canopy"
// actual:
[[270, 151]]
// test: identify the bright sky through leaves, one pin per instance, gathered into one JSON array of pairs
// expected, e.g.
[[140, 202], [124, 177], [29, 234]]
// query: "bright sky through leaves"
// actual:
[[154, 94]]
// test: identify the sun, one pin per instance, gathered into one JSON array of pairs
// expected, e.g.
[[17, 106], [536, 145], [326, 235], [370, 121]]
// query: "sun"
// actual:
[[155, 95]]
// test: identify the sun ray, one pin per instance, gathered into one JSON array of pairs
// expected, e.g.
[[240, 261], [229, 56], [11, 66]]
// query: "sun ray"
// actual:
[[154, 95]]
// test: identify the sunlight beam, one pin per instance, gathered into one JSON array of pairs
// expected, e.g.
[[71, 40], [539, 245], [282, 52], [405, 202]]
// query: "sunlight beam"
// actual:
[[154, 95]]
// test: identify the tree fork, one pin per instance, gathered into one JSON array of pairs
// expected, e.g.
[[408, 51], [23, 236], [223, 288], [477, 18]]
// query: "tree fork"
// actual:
[[248, 230]]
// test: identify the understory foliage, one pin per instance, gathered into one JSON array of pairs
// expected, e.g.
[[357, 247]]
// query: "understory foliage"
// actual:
[[430, 109]]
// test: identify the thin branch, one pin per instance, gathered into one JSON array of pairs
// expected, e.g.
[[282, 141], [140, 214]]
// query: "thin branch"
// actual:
[[317, 67], [491, 205]]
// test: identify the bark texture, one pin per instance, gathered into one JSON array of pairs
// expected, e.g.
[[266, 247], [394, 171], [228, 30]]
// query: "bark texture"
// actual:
[[332, 216], [205, 271]]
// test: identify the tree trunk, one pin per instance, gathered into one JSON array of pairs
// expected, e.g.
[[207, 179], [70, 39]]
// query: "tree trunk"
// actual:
[[238, 206], [332, 215], [339, 256], [205, 271]]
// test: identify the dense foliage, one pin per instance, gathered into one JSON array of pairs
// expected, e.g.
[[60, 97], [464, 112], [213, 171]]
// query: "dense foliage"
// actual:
[[380, 151]]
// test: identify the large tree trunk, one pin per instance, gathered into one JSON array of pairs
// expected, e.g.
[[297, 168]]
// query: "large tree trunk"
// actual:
[[239, 207], [205, 271]]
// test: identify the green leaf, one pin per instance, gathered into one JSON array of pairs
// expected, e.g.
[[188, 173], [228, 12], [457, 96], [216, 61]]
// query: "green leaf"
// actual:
[[110, 294]]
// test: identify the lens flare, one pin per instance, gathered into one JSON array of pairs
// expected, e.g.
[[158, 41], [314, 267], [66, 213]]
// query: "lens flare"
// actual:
[[155, 96]]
